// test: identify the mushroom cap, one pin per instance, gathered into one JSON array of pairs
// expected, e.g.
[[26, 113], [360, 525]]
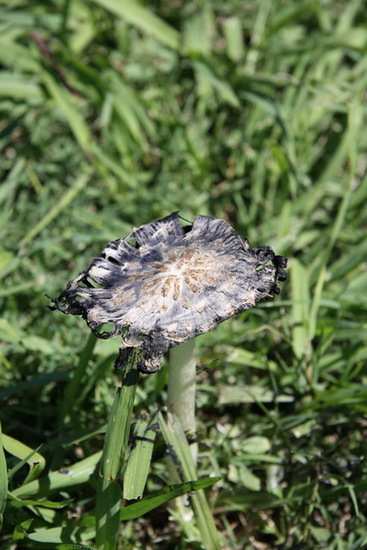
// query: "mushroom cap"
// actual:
[[171, 284]]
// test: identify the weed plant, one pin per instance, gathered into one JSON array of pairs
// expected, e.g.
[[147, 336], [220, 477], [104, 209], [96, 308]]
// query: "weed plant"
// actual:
[[115, 113]]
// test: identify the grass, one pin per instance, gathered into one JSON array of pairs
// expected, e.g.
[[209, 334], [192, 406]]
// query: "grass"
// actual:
[[114, 114]]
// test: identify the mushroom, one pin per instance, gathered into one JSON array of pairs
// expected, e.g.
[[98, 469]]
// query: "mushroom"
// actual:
[[165, 284]]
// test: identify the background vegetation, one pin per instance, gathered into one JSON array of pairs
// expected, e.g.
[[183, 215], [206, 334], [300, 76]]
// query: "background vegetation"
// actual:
[[114, 113]]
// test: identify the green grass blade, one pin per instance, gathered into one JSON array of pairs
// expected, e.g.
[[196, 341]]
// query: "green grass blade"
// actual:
[[131, 110], [208, 80], [337, 227], [300, 309], [113, 459], [152, 501], [77, 473], [3, 480], [138, 464], [144, 19], [74, 390], [232, 28], [56, 210], [67, 104], [119, 424], [16, 56], [176, 439], [17, 503], [35, 460], [58, 535], [107, 514], [19, 86]]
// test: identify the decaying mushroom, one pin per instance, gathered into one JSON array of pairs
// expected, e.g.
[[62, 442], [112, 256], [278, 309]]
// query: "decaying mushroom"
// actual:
[[165, 284]]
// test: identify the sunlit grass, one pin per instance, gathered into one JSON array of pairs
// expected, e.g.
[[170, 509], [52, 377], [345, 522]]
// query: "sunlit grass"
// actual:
[[114, 114]]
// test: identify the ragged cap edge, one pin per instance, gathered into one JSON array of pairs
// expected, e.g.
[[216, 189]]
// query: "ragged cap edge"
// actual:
[[151, 346]]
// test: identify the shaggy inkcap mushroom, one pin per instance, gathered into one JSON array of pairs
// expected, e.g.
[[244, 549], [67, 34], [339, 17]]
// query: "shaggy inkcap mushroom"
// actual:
[[170, 285]]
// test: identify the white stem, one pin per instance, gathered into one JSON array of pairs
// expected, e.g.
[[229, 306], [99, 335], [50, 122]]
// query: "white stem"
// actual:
[[182, 386]]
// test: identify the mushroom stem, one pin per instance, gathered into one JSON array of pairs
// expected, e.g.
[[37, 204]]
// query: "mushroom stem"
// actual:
[[182, 387]]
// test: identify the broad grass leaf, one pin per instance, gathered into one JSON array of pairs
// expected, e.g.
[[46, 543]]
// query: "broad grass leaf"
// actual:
[[20, 87], [118, 428], [245, 499], [108, 506], [77, 473], [113, 459], [144, 19], [16, 56], [34, 459], [139, 461], [241, 393], [240, 356], [232, 27], [19, 503], [57, 535], [152, 501]]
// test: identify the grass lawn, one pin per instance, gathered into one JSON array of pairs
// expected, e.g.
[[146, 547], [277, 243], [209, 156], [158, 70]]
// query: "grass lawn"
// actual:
[[115, 113]]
